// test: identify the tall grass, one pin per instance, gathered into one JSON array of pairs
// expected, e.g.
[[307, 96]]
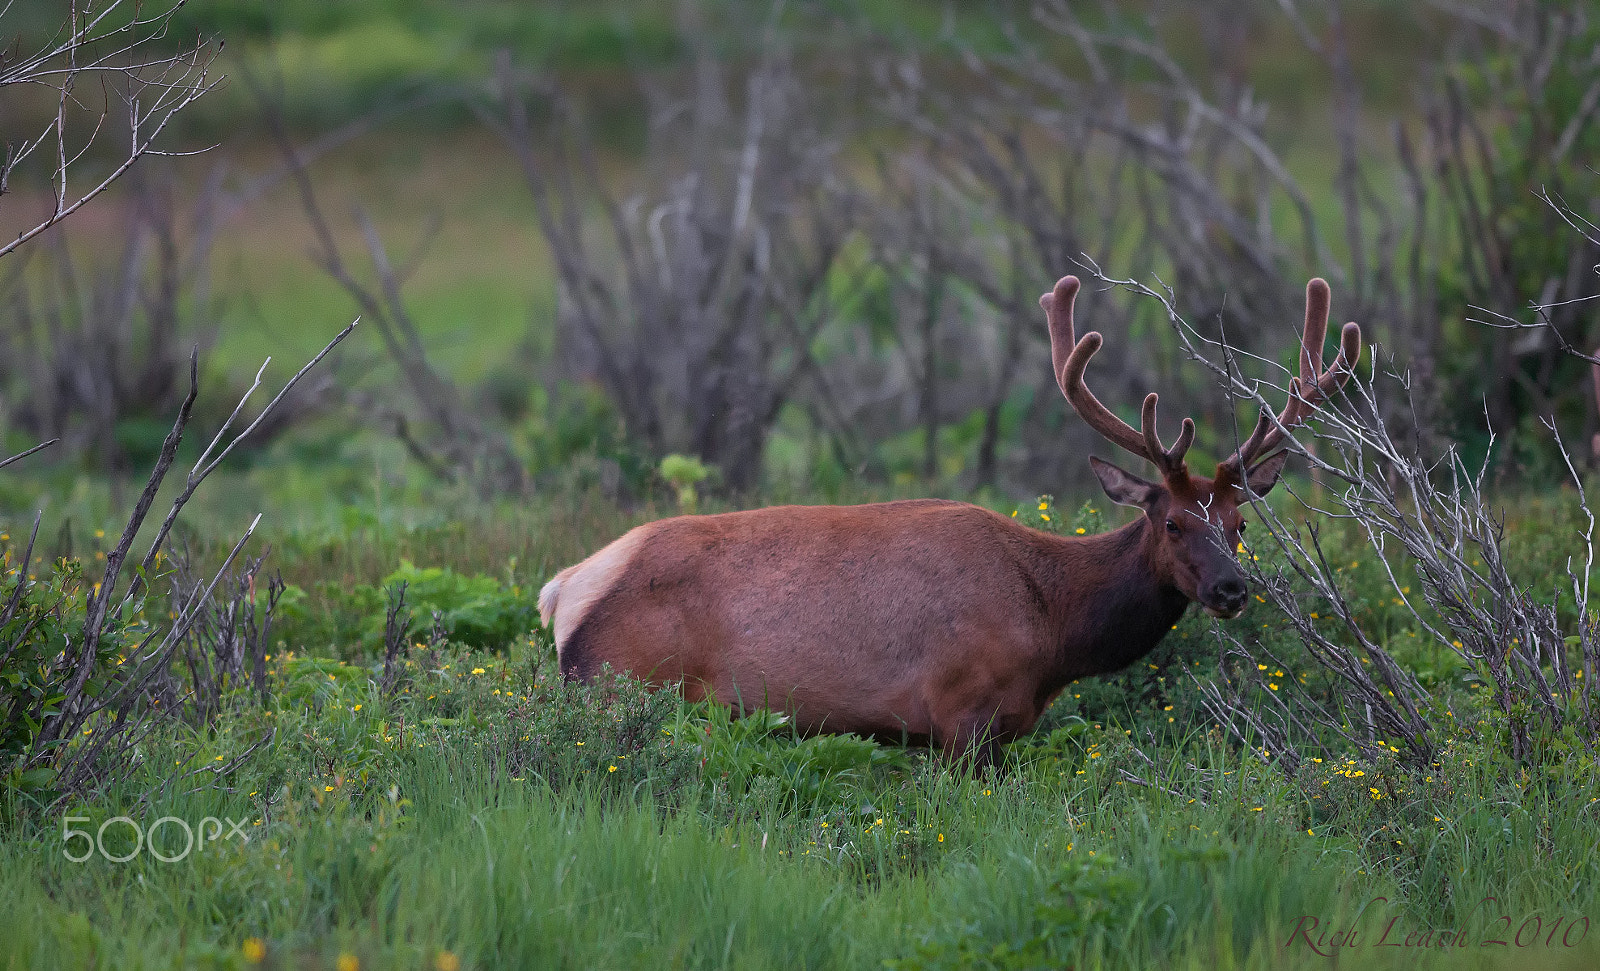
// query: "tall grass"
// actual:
[[513, 875], [460, 822], [788, 852]]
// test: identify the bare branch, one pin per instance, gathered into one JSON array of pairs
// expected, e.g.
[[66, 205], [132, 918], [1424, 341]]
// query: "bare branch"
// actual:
[[22, 455], [155, 87]]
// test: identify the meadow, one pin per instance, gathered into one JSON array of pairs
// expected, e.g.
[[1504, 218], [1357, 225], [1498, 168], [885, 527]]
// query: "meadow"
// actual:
[[354, 749], [481, 812]]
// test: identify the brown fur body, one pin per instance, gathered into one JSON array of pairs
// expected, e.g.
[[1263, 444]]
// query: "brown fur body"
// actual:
[[924, 621], [930, 621]]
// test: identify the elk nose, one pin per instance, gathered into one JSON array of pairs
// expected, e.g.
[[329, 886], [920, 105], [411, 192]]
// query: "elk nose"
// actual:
[[1228, 592]]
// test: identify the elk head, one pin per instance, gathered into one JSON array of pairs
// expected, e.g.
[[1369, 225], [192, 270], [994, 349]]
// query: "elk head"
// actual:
[[1194, 521]]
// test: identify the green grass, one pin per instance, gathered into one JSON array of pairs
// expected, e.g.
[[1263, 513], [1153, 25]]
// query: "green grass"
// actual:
[[464, 818], [508, 874]]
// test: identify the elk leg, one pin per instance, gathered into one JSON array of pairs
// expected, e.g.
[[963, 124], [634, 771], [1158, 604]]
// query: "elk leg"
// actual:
[[972, 741]]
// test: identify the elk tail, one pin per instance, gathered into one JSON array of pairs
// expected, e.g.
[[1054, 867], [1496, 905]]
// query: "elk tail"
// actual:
[[547, 598]]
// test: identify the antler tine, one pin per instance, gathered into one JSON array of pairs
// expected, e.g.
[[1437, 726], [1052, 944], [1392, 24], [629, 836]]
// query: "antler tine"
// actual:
[[1057, 306], [1070, 357], [1318, 300], [1313, 386], [1170, 460]]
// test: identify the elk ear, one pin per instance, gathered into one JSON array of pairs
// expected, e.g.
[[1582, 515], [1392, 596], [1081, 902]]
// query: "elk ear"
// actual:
[[1264, 474], [1125, 488]]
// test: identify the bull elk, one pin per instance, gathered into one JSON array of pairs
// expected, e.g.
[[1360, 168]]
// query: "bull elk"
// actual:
[[927, 621]]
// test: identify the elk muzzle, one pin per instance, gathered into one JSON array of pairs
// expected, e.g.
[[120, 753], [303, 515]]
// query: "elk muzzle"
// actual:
[[1224, 598]]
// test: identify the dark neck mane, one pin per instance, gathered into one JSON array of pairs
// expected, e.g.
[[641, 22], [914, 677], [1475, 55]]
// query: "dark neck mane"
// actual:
[[1108, 609]]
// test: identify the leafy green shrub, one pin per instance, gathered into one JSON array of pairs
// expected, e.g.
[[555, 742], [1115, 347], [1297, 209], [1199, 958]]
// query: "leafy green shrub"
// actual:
[[475, 611], [34, 676], [683, 473], [42, 630]]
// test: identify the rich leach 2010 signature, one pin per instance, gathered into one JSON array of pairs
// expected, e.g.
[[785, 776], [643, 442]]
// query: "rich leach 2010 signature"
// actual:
[[1486, 926]]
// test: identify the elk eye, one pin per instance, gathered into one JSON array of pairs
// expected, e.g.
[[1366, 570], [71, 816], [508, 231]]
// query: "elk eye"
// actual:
[[1172, 527]]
